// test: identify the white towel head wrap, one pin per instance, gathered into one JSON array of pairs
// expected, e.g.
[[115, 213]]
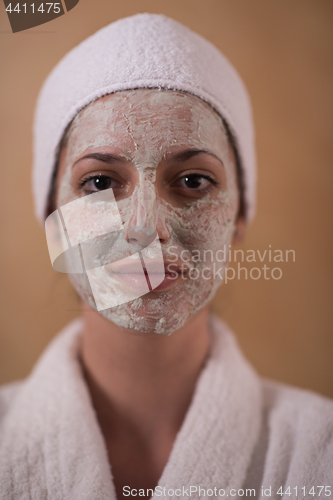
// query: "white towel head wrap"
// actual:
[[142, 51]]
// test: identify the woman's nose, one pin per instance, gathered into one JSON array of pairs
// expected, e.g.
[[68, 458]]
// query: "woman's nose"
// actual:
[[140, 235], [144, 223]]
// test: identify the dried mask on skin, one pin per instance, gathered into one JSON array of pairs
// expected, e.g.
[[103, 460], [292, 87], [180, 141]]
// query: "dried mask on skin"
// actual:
[[152, 141]]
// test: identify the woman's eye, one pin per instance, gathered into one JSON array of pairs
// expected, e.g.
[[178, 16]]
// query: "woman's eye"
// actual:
[[99, 183], [196, 182]]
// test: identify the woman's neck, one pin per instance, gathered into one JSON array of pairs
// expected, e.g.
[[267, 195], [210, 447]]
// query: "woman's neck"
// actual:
[[142, 384], [147, 376]]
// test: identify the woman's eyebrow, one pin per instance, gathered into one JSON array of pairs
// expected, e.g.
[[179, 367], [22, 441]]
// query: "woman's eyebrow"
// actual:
[[190, 153], [105, 157]]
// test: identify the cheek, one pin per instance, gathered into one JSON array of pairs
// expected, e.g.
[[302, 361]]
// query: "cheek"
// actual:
[[206, 224]]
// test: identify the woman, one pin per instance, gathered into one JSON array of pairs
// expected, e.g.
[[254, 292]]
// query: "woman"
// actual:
[[145, 173]]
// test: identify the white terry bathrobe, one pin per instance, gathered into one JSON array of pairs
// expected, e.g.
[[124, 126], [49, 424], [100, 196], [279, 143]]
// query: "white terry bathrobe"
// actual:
[[240, 432]]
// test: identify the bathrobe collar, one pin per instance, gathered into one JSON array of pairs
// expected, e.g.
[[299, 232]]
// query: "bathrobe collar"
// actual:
[[52, 447]]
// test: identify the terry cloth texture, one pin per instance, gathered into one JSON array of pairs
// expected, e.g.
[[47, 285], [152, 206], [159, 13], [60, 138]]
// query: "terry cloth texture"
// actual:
[[142, 51], [239, 432]]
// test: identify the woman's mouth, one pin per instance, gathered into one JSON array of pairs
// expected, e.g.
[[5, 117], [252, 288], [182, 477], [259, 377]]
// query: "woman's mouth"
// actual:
[[145, 275]]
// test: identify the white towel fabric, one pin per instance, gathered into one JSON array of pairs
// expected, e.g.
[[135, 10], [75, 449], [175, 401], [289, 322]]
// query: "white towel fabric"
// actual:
[[239, 432], [142, 51]]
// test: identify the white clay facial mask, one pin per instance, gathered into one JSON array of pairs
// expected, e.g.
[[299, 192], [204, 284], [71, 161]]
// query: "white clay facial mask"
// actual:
[[147, 199], [86, 236]]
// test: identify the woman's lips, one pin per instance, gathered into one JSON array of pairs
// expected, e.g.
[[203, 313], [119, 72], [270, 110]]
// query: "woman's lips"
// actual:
[[146, 275], [170, 279]]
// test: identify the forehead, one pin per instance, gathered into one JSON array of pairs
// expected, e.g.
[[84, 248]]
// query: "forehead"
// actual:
[[136, 119]]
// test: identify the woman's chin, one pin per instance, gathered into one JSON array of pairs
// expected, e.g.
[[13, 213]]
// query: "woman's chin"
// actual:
[[149, 314], [161, 311]]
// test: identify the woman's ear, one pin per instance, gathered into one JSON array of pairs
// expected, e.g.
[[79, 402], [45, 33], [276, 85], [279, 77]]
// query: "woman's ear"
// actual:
[[239, 230]]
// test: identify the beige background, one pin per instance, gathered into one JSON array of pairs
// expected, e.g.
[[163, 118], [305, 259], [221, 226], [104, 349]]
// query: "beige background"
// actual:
[[283, 50]]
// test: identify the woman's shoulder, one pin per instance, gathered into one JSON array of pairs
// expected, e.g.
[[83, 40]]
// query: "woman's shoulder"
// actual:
[[60, 345], [301, 417], [281, 401], [297, 434], [295, 444], [295, 441], [8, 394], [299, 407]]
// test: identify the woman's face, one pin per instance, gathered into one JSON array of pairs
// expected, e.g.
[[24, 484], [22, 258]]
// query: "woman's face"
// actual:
[[167, 158]]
